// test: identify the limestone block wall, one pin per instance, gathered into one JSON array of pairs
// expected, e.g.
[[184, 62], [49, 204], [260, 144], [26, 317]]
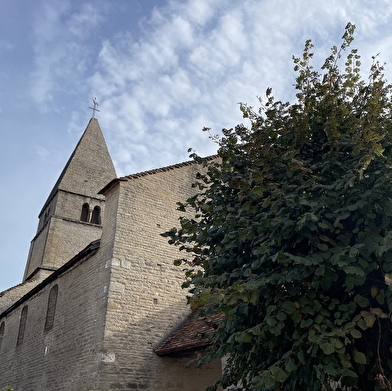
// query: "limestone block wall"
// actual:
[[145, 296], [36, 251], [110, 225], [70, 204], [46, 213], [59, 241], [66, 239], [69, 355]]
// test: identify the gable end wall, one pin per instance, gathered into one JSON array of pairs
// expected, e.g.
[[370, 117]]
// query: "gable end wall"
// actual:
[[146, 300]]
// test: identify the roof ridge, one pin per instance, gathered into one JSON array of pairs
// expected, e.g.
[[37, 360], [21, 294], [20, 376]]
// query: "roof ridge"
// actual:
[[167, 168], [155, 171]]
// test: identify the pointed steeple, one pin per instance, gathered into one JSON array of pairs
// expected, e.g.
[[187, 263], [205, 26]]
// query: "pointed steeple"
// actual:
[[71, 217], [90, 166]]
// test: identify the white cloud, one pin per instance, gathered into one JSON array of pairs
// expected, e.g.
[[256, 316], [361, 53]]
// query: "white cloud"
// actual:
[[61, 46], [201, 12], [192, 64], [84, 22]]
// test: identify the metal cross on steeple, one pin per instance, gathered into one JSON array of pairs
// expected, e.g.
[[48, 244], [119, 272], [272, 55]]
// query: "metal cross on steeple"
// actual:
[[94, 109]]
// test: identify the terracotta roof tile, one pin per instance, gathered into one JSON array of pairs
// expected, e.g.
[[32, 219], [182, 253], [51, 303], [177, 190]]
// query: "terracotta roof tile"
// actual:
[[188, 336]]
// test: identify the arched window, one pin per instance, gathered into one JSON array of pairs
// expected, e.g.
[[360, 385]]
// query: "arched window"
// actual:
[[2, 329], [85, 212], [96, 215], [51, 310], [22, 325]]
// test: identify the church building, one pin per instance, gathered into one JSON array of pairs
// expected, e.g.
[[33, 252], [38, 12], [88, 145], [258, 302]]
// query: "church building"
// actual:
[[101, 305]]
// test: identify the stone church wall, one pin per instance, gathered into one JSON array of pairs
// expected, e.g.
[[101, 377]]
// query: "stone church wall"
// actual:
[[66, 239], [67, 356], [36, 251], [70, 205], [59, 241], [146, 300], [113, 307], [46, 213]]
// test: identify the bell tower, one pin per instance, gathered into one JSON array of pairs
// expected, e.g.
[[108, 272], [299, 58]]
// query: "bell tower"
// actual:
[[72, 216]]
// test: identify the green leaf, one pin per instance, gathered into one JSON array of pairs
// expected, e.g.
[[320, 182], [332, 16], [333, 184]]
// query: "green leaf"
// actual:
[[348, 373], [266, 203], [268, 378], [254, 297], [362, 301], [288, 307], [246, 337], [270, 321], [323, 225], [301, 356], [356, 334], [381, 297], [256, 330], [279, 375], [332, 370], [322, 246], [281, 316], [362, 324], [320, 270], [359, 357], [305, 323], [290, 365], [373, 291], [354, 270], [327, 348]]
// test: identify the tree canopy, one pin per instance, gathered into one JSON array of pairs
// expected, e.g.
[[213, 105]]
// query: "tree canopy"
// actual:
[[289, 236]]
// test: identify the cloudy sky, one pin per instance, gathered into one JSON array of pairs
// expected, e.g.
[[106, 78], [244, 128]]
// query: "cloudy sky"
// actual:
[[161, 70]]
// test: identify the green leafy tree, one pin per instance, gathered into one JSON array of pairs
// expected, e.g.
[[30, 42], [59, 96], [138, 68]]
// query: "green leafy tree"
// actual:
[[290, 237]]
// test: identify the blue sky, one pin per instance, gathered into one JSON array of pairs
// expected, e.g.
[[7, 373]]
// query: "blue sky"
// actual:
[[161, 70]]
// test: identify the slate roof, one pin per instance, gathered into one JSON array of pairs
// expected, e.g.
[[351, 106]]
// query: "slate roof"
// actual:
[[189, 336]]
